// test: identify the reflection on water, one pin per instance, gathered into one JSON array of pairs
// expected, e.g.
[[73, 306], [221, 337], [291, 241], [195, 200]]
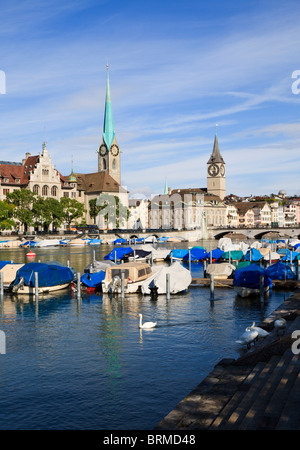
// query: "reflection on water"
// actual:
[[85, 364]]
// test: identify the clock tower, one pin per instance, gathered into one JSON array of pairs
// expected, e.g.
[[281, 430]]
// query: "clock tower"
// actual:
[[109, 152], [216, 172]]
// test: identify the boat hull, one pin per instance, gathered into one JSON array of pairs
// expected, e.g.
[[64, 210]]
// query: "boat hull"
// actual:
[[249, 292], [27, 290]]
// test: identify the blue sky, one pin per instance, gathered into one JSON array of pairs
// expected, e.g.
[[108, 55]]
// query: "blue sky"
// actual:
[[176, 69]]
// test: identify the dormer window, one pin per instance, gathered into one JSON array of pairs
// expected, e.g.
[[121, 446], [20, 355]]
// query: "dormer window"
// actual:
[[18, 180], [6, 180]]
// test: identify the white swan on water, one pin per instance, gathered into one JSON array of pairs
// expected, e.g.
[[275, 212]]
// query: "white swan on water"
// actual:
[[146, 324], [261, 332]]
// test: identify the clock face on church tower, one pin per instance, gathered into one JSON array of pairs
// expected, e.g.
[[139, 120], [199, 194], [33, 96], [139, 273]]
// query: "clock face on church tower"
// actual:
[[213, 170], [114, 150], [222, 170], [102, 150]]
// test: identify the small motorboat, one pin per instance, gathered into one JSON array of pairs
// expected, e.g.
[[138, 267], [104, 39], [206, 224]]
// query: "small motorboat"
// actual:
[[247, 281], [134, 274], [51, 277]]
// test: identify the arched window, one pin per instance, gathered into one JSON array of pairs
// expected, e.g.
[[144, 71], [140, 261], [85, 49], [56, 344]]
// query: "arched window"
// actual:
[[36, 189], [45, 190], [114, 164], [54, 191], [104, 164]]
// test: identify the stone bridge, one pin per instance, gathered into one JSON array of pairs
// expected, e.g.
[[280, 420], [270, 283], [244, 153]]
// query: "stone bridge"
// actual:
[[209, 233]]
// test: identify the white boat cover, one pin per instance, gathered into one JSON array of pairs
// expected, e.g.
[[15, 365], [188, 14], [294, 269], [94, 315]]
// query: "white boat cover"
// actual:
[[9, 273], [222, 270], [226, 245], [96, 266], [180, 279], [157, 253], [274, 256], [48, 243]]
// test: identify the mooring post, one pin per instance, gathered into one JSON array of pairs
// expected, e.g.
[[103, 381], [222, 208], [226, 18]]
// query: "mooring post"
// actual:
[[168, 286], [297, 270], [171, 256], [78, 286], [36, 285], [229, 257], [212, 287], [115, 257], [261, 288], [190, 260], [210, 257], [68, 263], [204, 268], [122, 285], [1, 286]]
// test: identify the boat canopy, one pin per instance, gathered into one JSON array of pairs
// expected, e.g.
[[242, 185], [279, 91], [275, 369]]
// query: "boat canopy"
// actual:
[[48, 274], [235, 255], [118, 253], [179, 253], [255, 255], [93, 279], [180, 279], [249, 277], [133, 272], [280, 271], [197, 254], [215, 254]]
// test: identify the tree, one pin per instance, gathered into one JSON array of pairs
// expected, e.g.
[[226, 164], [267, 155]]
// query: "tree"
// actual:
[[47, 211], [6, 216], [94, 209], [72, 209], [23, 200]]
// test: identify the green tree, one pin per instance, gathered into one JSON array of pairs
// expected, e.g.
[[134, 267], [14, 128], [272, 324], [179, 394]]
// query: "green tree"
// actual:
[[72, 209], [6, 216], [94, 209], [47, 211], [23, 200]]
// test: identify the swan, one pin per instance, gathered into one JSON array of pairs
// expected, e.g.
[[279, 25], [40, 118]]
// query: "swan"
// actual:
[[261, 332], [247, 337], [146, 324]]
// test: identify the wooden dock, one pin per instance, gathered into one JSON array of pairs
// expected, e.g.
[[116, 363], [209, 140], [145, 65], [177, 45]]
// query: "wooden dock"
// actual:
[[258, 391]]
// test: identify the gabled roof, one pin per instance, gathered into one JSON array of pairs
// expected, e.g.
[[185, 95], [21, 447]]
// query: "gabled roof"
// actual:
[[98, 182]]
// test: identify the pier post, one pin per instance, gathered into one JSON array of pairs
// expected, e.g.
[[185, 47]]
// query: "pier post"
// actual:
[[210, 257], [190, 261], [261, 288], [212, 287], [68, 263], [204, 268], [134, 255], [115, 257], [122, 285], [36, 286], [171, 256], [168, 286], [297, 270], [1, 286], [78, 286], [229, 257]]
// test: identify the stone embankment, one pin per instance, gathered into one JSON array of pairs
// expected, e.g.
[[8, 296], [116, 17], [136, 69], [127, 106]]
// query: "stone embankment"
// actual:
[[258, 391]]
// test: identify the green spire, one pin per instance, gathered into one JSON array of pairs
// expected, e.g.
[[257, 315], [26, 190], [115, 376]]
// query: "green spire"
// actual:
[[166, 188], [108, 127]]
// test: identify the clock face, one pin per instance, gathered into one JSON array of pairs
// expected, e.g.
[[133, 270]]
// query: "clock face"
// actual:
[[114, 150], [103, 150], [213, 170], [222, 170]]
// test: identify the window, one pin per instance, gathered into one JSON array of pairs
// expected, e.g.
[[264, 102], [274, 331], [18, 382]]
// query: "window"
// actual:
[[103, 164], [66, 194], [54, 191], [36, 189], [114, 164], [5, 191], [45, 190]]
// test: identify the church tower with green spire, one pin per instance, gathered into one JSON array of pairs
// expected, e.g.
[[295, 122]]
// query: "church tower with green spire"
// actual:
[[109, 152], [216, 172]]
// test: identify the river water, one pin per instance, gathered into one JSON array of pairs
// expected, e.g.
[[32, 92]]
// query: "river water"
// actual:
[[86, 365]]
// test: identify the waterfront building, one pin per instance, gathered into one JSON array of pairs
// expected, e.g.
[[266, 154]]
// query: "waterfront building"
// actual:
[[138, 218]]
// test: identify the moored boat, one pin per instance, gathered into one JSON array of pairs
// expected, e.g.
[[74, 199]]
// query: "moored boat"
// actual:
[[134, 274], [247, 281], [51, 277]]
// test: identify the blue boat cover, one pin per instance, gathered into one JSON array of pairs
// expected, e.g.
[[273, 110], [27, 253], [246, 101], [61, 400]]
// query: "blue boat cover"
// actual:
[[48, 274], [179, 253], [280, 271], [249, 276], [119, 251], [255, 255], [93, 279], [197, 254], [28, 243], [296, 246], [216, 253], [282, 251], [120, 241], [287, 256]]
